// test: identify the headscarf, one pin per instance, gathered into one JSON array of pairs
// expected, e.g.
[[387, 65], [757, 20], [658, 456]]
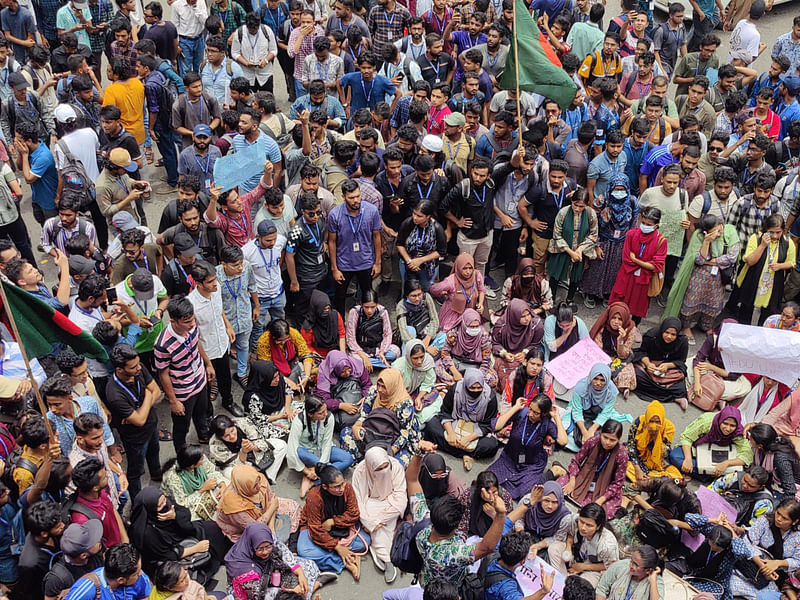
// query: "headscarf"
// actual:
[[242, 558], [546, 524], [380, 484], [396, 391], [619, 211], [591, 397], [465, 407], [248, 492], [417, 315], [282, 356], [416, 375], [193, 479], [325, 327], [145, 514], [465, 290], [652, 450], [331, 369], [433, 488], [601, 326], [531, 292], [259, 382], [715, 435], [655, 348], [511, 334], [465, 346]]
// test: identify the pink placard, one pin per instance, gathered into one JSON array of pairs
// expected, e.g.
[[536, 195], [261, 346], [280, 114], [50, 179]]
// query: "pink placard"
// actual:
[[713, 504], [575, 363]]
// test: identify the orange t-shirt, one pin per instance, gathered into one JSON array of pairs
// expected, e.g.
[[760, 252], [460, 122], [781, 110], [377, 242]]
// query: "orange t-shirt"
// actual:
[[128, 97]]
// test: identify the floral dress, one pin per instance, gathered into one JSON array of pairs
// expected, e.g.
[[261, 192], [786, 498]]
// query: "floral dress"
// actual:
[[705, 293], [622, 373], [202, 505], [408, 440]]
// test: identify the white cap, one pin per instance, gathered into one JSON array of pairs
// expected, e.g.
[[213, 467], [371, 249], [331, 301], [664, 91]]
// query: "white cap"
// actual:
[[65, 113], [432, 143], [80, 5]]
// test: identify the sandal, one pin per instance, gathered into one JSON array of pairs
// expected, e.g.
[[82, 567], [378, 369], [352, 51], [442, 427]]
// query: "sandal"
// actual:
[[468, 463], [164, 435], [691, 339]]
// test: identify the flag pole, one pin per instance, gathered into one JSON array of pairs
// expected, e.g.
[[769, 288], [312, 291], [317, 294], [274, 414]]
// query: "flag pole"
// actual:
[[34, 385], [516, 71]]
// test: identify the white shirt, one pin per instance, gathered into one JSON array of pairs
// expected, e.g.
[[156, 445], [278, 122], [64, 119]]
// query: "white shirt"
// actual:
[[190, 21], [253, 49], [83, 143], [210, 323], [266, 266], [745, 36]]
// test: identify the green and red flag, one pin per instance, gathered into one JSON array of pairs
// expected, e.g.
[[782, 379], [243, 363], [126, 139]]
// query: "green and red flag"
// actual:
[[540, 69], [40, 326]]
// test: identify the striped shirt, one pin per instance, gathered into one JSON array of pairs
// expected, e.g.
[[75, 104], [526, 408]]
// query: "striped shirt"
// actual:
[[12, 364], [181, 355], [658, 157], [85, 589]]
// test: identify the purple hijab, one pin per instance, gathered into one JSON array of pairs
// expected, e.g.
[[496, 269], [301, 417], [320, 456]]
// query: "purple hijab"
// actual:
[[242, 558], [715, 435], [511, 334], [542, 523], [465, 346], [331, 368]]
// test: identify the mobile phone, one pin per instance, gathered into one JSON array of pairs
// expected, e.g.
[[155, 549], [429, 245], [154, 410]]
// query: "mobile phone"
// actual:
[[154, 319], [401, 75], [111, 294]]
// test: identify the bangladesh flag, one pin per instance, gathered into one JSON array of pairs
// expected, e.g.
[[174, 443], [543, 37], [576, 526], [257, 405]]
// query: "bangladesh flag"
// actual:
[[540, 69], [40, 326]]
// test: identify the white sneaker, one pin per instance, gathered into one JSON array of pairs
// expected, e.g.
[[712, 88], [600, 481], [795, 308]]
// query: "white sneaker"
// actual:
[[378, 562], [490, 293]]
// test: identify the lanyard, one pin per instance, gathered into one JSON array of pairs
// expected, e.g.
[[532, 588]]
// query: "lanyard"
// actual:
[[437, 68], [450, 154], [533, 433], [189, 280], [427, 193], [355, 228], [559, 200], [530, 389], [464, 290], [120, 184], [411, 49], [214, 76], [440, 25], [646, 91], [240, 226], [316, 239], [516, 185], [238, 287], [771, 256], [194, 112], [697, 67], [482, 197], [267, 266], [324, 76], [87, 113], [146, 262], [745, 179], [223, 15], [208, 161], [368, 97], [127, 390], [602, 464], [91, 313], [275, 21], [491, 62], [419, 240], [390, 23], [432, 123], [767, 211]]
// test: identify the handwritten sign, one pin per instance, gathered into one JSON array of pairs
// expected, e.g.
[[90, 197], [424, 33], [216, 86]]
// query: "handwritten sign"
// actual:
[[529, 578], [233, 169], [771, 352], [575, 363], [670, 228], [713, 504]]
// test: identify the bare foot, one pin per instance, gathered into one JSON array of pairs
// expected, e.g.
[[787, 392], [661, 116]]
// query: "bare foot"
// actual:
[[317, 597], [305, 486], [558, 471], [355, 568], [468, 462]]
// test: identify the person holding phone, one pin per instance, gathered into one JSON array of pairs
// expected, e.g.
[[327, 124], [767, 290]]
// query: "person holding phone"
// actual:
[[147, 297]]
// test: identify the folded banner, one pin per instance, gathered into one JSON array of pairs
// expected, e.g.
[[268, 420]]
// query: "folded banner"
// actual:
[[575, 364], [771, 352], [713, 505], [233, 169]]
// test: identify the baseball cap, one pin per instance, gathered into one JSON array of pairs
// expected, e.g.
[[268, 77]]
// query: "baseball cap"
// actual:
[[432, 143], [266, 227], [202, 129], [79, 537], [455, 119], [141, 282], [80, 5], [64, 113], [184, 245], [8, 386], [122, 158], [124, 221], [80, 265], [17, 81], [792, 83]]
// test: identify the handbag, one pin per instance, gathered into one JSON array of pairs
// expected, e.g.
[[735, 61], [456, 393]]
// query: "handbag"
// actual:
[[713, 388], [266, 460], [462, 429], [656, 284], [195, 561], [710, 455], [380, 427], [750, 572]]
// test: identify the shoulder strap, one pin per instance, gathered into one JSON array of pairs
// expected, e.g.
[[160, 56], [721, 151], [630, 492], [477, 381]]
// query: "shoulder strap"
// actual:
[[27, 465], [84, 510], [661, 127], [706, 203], [629, 84]]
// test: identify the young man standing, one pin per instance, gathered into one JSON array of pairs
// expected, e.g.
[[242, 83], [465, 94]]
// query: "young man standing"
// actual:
[[195, 107], [669, 40], [19, 27], [265, 255], [250, 133], [386, 22], [696, 62], [190, 21], [198, 159], [38, 168], [694, 102]]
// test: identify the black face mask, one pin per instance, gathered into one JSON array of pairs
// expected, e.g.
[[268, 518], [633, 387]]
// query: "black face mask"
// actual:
[[474, 394], [527, 278]]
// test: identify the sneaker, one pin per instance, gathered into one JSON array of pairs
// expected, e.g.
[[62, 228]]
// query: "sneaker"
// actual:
[[378, 562], [326, 577], [490, 283], [490, 293], [164, 188], [390, 574], [589, 302]]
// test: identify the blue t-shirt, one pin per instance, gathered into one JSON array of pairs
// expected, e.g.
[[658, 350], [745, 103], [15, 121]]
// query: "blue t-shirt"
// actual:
[[20, 24], [85, 589], [271, 151], [44, 188], [350, 231], [363, 95]]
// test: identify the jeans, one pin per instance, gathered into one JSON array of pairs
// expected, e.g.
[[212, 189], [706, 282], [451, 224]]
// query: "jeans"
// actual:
[[222, 369], [192, 51], [376, 362], [701, 28], [271, 308], [325, 559], [676, 458], [421, 275], [340, 459], [169, 154], [242, 345], [137, 454], [18, 233], [195, 409], [42, 214], [299, 90]]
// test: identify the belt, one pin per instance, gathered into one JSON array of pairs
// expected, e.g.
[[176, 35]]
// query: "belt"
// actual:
[[188, 37], [272, 297]]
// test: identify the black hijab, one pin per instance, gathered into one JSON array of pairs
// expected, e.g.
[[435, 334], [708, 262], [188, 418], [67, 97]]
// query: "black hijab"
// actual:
[[433, 488], [325, 327], [655, 348], [236, 445], [259, 382], [332, 505], [158, 540]]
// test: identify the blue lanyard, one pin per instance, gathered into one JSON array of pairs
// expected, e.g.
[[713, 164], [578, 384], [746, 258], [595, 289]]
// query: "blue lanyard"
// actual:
[[386, 17], [533, 433], [267, 266], [482, 198], [238, 287], [124, 189], [136, 399], [602, 464], [560, 200], [198, 115], [464, 290], [316, 239], [86, 112], [235, 222], [146, 262], [746, 179], [419, 240], [324, 76], [411, 49], [214, 76], [368, 97], [642, 246], [91, 313], [208, 161], [355, 228], [427, 193], [189, 280]]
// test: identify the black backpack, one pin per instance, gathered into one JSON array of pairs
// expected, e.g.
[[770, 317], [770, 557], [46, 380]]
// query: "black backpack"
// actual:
[[381, 428], [655, 530], [165, 101], [474, 585], [404, 553], [76, 180]]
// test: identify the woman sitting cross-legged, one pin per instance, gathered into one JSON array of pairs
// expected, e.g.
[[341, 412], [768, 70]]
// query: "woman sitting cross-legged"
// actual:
[[464, 427], [650, 440], [545, 515], [323, 328], [419, 378], [468, 344], [237, 442], [597, 473], [516, 333], [330, 532], [534, 427], [615, 332], [777, 455], [369, 333], [192, 480], [267, 400], [257, 555], [661, 364], [418, 317], [342, 382], [285, 346], [477, 499], [592, 403]]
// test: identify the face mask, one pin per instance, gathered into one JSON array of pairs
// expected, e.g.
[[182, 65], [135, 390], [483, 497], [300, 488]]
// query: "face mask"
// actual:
[[473, 331], [647, 228], [473, 394], [527, 278], [619, 194]]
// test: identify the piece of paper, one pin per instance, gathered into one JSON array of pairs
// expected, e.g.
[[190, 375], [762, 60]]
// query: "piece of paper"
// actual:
[[575, 363], [713, 504], [670, 228], [233, 169], [529, 578], [771, 352]]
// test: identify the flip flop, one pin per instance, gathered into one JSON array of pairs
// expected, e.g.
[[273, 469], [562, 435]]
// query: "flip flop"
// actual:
[[164, 435], [691, 339]]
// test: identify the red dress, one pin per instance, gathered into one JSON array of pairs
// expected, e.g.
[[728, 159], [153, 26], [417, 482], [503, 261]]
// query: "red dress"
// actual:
[[632, 281], [308, 336]]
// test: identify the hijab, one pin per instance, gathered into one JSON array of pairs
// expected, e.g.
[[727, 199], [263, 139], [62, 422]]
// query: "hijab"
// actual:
[[591, 397], [380, 484], [332, 505], [619, 211], [467, 408], [530, 291], [542, 523], [433, 488], [417, 315], [331, 369], [325, 327], [248, 492], [416, 375], [145, 514], [610, 336], [396, 391], [653, 448], [242, 558], [259, 382], [465, 346], [655, 348], [511, 334], [465, 289], [715, 435]]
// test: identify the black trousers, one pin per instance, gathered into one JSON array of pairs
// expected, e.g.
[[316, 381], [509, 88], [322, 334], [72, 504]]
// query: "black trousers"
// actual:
[[100, 225], [434, 432], [504, 246], [136, 455], [222, 367], [195, 410], [18, 233], [364, 279]]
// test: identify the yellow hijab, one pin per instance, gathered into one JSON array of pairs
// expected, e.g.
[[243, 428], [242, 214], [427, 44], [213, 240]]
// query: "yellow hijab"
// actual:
[[395, 389], [248, 492], [654, 458]]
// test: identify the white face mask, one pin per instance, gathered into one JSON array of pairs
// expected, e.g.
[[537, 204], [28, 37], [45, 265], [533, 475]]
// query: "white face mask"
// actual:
[[473, 331], [619, 194], [647, 228]]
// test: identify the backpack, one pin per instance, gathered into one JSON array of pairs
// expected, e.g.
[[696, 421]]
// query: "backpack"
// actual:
[[72, 505], [325, 162], [228, 66], [171, 85], [74, 176], [655, 530], [284, 137], [404, 553], [166, 99], [58, 227], [474, 585], [11, 111], [381, 427], [98, 590], [15, 461], [240, 34]]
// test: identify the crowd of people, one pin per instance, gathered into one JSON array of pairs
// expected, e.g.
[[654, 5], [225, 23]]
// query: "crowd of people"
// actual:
[[495, 210]]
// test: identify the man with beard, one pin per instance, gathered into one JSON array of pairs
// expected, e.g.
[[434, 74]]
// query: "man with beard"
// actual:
[[435, 65], [44, 522], [209, 239], [494, 54], [750, 163], [386, 30], [306, 263], [198, 159], [719, 201], [693, 180], [309, 183], [603, 63], [604, 165], [249, 134]]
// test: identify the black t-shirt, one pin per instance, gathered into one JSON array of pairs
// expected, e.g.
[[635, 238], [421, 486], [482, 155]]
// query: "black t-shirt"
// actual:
[[412, 191], [63, 574], [169, 216], [210, 240], [34, 562], [544, 205], [164, 36], [124, 140], [305, 243], [174, 279], [121, 403], [436, 70]]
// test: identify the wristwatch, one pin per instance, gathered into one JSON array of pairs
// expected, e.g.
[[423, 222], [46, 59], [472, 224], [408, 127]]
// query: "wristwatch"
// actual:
[[526, 500]]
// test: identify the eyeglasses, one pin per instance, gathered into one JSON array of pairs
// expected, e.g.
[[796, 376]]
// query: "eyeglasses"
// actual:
[[313, 213], [715, 149], [438, 475]]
